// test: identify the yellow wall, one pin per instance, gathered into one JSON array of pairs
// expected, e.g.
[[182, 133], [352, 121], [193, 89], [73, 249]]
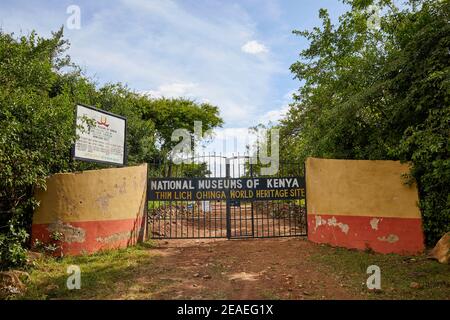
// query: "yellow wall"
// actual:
[[108, 194], [359, 188]]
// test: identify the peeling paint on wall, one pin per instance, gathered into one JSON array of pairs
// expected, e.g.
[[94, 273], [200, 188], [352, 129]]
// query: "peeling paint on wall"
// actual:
[[71, 234], [374, 223], [392, 238], [122, 188], [103, 201], [318, 222], [114, 237], [332, 223], [93, 209], [371, 206]]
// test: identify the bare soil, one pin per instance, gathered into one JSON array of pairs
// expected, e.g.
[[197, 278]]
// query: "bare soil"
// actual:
[[278, 268], [241, 269]]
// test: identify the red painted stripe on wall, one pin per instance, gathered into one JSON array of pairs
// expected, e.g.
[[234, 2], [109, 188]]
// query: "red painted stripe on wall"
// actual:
[[92, 236], [381, 234]]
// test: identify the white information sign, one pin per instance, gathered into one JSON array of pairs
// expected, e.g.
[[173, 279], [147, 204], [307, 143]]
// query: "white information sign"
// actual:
[[102, 142]]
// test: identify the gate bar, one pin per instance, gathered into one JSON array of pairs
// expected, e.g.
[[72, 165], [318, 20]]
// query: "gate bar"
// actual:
[[228, 201]]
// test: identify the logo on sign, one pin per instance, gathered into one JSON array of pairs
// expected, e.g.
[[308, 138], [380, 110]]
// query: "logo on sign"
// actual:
[[103, 122]]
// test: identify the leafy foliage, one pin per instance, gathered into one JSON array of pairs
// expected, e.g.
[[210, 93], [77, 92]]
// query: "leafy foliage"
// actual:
[[39, 87], [379, 93]]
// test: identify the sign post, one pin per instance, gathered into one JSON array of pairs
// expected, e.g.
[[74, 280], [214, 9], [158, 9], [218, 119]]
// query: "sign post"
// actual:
[[228, 200], [226, 189], [101, 136]]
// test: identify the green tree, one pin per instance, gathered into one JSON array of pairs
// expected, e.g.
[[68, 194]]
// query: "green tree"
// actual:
[[39, 88], [379, 93], [180, 113], [35, 132]]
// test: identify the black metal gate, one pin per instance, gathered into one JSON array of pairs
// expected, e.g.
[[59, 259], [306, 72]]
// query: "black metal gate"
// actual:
[[180, 217]]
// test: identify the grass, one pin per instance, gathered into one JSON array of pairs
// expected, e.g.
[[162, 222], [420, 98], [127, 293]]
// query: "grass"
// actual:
[[397, 273], [270, 295], [137, 273], [103, 274]]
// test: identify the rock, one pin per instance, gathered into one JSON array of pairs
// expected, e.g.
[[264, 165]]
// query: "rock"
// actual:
[[51, 287], [33, 256], [196, 275], [206, 276], [306, 293], [23, 276], [418, 274], [378, 291], [11, 283], [415, 285], [441, 252]]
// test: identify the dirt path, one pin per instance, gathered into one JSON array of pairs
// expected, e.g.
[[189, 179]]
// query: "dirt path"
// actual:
[[240, 269]]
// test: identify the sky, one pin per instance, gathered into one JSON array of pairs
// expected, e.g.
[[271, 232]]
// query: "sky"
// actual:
[[234, 54]]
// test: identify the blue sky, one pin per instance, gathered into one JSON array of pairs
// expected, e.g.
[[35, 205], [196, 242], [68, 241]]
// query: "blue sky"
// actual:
[[233, 54]]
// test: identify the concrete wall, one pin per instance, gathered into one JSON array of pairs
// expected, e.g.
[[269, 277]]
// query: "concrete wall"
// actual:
[[98, 209], [363, 204]]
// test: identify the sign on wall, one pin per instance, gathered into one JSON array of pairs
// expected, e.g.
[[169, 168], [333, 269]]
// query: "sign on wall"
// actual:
[[234, 189], [103, 140]]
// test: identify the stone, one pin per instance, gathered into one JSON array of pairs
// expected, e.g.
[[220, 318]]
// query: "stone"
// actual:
[[441, 252], [415, 285], [11, 283], [33, 256], [51, 287]]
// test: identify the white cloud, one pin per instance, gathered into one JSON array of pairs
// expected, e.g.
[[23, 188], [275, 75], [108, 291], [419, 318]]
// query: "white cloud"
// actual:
[[254, 47], [230, 141], [178, 53], [274, 116], [167, 49], [174, 90]]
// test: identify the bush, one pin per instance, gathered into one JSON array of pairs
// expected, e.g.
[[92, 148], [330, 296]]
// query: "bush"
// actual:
[[39, 88], [12, 249], [379, 93], [35, 132]]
